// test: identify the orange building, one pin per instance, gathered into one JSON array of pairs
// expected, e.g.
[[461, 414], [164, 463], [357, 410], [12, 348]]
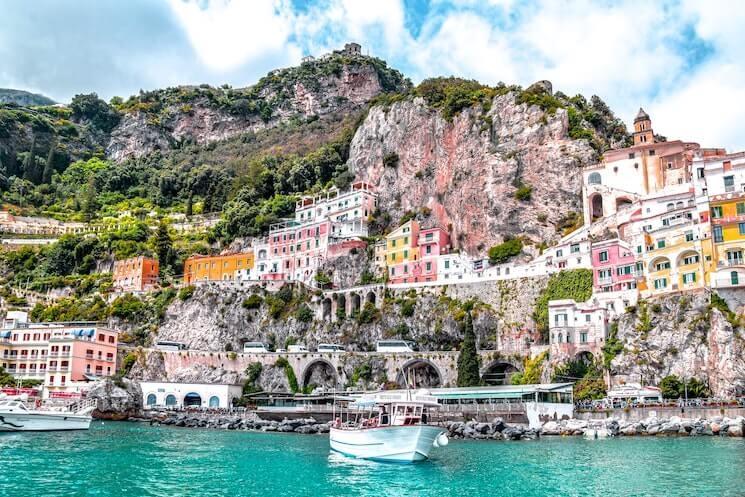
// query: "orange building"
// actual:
[[216, 267], [136, 274]]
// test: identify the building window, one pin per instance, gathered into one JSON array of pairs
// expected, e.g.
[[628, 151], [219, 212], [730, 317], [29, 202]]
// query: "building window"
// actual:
[[603, 256], [729, 183], [406, 254], [742, 228], [651, 152], [662, 265], [583, 337], [689, 278], [700, 172], [559, 253], [632, 155], [406, 269], [594, 179], [718, 237], [691, 259], [740, 208], [716, 212], [734, 278], [429, 266], [660, 283], [689, 236], [447, 264], [660, 244], [574, 248]]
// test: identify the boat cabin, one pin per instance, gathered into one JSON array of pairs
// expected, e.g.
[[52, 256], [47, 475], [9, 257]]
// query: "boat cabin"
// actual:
[[396, 408]]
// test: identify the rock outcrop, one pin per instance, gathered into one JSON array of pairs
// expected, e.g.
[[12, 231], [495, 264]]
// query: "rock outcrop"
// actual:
[[203, 114], [466, 172], [683, 336], [117, 399]]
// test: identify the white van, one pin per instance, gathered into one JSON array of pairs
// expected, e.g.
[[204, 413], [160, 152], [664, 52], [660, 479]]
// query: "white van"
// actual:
[[395, 346], [330, 347], [170, 346], [255, 348], [297, 349]]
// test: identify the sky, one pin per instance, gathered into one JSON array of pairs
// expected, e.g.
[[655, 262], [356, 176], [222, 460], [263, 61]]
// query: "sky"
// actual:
[[682, 60]]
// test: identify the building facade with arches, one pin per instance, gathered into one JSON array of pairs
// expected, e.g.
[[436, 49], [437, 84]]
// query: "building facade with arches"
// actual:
[[175, 395]]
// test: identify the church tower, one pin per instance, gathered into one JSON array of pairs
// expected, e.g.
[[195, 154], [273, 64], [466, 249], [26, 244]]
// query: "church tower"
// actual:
[[643, 133]]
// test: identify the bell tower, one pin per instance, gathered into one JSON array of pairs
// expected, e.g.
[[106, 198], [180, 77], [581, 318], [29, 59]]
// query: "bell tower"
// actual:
[[643, 133]]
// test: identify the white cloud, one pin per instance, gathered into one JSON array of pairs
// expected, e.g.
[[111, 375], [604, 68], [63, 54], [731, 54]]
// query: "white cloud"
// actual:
[[227, 34]]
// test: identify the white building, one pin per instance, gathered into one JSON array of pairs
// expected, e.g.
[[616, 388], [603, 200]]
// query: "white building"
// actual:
[[179, 395], [576, 328]]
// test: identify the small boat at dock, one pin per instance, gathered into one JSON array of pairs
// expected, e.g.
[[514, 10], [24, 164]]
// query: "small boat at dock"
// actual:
[[388, 426], [17, 415]]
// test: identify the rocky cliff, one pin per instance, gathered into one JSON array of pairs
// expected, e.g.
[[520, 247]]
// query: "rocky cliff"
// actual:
[[163, 119], [464, 174], [683, 336]]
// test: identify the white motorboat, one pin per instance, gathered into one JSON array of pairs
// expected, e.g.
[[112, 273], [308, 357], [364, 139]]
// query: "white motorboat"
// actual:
[[15, 415], [388, 426]]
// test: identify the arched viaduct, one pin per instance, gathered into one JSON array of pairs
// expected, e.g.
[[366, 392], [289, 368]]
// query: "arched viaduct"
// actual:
[[333, 305], [425, 369]]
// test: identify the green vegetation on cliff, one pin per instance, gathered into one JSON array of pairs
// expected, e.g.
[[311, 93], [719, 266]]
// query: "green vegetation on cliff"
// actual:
[[573, 284]]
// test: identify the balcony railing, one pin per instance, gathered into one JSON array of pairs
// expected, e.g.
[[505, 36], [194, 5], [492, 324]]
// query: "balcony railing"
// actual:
[[731, 262]]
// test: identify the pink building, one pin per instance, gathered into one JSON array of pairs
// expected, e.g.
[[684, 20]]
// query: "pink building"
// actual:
[[614, 266], [432, 243], [65, 356]]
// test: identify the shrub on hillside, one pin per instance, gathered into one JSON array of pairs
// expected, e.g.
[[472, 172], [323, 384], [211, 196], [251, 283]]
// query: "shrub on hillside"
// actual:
[[501, 253], [253, 301], [186, 292]]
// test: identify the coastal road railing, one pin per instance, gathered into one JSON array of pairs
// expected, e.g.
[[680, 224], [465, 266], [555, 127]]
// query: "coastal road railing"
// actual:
[[603, 405]]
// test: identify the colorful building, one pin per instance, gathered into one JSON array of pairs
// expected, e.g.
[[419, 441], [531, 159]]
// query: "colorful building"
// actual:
[[614, 266], [402, 251], [720, 198], [628, 174], [64, 356], [216, 267], [136, 274]]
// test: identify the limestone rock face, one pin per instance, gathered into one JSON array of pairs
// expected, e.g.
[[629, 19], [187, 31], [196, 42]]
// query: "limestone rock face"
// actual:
[[467, 172], [117, 400], [687, 339], [138, 134]]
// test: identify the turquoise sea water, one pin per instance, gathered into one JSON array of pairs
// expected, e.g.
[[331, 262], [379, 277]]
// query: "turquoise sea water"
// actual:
[[130, 459]]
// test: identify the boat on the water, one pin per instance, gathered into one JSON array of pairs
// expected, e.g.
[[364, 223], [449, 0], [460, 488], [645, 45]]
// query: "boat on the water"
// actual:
[[388, 426], [17, 415]]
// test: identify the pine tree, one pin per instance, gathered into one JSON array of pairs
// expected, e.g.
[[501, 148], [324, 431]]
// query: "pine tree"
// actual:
[[468, 359], [163, 246]]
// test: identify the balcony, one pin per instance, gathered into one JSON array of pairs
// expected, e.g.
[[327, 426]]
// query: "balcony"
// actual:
[[731, 262], [605, 281], [728, 282]]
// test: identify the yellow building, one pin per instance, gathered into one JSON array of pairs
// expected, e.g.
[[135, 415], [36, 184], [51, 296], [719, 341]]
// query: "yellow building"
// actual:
[[216, 267], [401, 251], [728, 240]]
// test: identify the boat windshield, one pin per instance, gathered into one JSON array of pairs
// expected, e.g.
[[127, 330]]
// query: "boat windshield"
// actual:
[[363, 414], [12, 404]]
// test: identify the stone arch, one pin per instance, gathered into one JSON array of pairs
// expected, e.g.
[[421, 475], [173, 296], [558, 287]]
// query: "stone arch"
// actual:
[[661, 260], [170, 400], [341, 304], [355, 303], [498, 373], [192, 399], [596, 206], [623, 203], [585, 357], [594, 179], [151, 399], [371, 297], [326, 309], [214, 401], [421, 372], [320, 373]]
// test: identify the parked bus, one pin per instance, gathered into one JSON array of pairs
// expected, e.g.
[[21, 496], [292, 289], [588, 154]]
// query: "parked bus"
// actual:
[[255, 348], [170, 346], [395, 346], [330, 347]]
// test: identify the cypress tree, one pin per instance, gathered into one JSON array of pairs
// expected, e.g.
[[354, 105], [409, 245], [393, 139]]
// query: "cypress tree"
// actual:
[[468, 359], [190, 204], [46, 176], [163, 246], [29, 164]]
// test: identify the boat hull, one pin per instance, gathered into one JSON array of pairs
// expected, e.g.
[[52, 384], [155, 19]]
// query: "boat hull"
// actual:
[[389, 443], [31, 421]]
